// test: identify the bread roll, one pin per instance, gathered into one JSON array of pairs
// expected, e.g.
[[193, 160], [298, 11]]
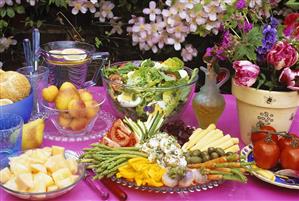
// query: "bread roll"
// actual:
[[14, 86]]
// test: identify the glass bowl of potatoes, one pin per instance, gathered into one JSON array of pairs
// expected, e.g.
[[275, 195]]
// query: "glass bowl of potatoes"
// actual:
[[41, 174]]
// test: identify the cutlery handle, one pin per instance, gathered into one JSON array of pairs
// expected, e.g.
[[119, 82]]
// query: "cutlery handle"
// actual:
[[27, 51], [96, 187], [36, 46], [117, 191]]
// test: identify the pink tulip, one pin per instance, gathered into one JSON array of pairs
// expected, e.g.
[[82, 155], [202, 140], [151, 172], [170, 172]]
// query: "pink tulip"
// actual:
[[246, 73], [282, 55], [290, 78]]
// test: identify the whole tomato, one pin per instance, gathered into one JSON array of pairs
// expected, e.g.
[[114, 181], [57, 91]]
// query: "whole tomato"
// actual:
[[266, 153], [284, 142], [259, 135], [289, 157]]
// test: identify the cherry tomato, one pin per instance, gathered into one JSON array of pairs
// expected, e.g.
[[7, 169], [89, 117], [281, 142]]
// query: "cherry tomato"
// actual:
[[259, 135], [266, 153], [284, 142], [289, 157]]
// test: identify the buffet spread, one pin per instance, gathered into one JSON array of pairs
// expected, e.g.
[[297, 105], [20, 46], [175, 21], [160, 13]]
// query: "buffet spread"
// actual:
[[145, 148]]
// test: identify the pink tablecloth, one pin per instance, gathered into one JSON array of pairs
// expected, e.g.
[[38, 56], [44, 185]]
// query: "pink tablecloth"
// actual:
[[254, 189]]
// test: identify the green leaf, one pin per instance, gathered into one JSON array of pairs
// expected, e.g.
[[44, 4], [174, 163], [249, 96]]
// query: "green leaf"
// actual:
[[261, 80], [2, 12], [197, 7], [10, 12], [20, 9], [255, 37], [3, 24], [39, 23]]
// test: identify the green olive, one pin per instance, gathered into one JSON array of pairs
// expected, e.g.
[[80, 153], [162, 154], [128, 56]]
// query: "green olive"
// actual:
[[205, 158], [229, 153], [187, 154], [195, 159], [204, 153], [214, 155], [220, 151], [211, 149], [196, 153]]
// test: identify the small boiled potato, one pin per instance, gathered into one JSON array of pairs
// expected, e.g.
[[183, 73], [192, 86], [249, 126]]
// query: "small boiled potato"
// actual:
[[61, 174], [57, 150], [24, 181], [22, 159], [11, 184], [39, 156], [52, 188], [48, 150], [19, 168], [43, 178], [38, 187], [55, 163], [36, 168], [72, 165], [5, 175]]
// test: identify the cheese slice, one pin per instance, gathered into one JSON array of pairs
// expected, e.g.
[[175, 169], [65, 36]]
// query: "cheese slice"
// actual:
[[216, 143], [200, 135], [209, 137], [235, 148]]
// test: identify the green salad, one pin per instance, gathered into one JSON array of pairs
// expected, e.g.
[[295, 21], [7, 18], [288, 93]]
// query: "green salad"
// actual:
[[140, 88]]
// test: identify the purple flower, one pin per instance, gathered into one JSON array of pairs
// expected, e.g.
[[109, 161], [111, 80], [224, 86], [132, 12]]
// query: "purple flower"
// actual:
[[240, 4], [246, 26], [226, 40], [269, 39], [274, 22]]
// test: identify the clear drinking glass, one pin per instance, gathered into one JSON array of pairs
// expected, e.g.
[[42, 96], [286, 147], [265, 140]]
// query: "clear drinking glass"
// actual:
[[10, 136], [38, 80], [69, 61]]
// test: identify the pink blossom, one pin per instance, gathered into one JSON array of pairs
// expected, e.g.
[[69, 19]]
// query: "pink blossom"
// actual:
[[246, 73], [78, 5], [105, 11], [290, 78], [188, 53], [152, 11], [5, 42], [282, 55], [116, 26]]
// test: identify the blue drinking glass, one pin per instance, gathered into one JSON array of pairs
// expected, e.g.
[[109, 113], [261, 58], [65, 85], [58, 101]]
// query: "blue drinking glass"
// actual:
[[10, 136]]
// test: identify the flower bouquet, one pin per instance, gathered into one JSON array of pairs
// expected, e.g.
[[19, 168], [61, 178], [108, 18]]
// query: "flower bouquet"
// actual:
[[265, 59]]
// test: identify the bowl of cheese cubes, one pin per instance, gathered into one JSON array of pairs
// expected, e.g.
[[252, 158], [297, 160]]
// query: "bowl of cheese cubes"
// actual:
[[41, 174]]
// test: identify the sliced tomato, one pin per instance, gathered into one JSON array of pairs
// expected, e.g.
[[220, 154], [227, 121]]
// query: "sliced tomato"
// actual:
[[120, 137], [109, 142]]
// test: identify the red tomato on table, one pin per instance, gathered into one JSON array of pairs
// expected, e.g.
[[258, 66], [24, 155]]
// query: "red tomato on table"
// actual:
[[266, 153], [259, 135], [289, 157], [284, 142]]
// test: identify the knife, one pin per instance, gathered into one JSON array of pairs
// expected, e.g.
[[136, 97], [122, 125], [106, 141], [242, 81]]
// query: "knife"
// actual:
[[115, 189]]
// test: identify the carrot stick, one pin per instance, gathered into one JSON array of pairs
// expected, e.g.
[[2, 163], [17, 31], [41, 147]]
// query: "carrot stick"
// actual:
[[212, 163]]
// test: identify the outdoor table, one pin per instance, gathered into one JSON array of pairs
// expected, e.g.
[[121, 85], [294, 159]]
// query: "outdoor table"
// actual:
[[254, 189]]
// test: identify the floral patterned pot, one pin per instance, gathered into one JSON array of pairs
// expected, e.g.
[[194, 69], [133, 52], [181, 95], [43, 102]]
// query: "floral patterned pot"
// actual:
[[257, 106]]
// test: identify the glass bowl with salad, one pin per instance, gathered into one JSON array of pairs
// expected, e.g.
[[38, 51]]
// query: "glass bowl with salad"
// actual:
[[137, 88]]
